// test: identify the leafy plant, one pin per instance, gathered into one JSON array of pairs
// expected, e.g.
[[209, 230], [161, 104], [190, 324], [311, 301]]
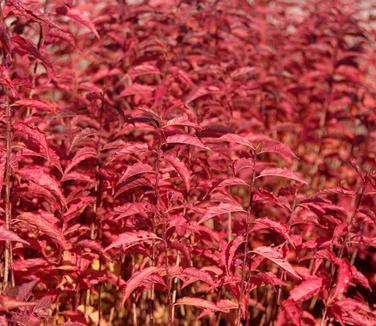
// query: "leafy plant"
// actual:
[[187, 162]]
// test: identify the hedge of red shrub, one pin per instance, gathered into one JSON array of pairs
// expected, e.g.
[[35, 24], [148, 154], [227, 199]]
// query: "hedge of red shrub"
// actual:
[[187, 162]]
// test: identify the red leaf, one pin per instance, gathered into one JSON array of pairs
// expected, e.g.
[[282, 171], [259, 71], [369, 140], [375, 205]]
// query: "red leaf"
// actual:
[[7, 235], [143, 69], [278, 148], [277, 258], [181, 121], [129, 209], [359, 278], [82, 19], [230, 252], [140, 182], [137, 89], [306, 289], [25, 131], [187, 140], [266, 278], [233, 138], [227, 304], [8, 303], [200, 303], [136, 280], [44, 226], [39, 105], [38, 176], [197, 93], [26, 264], [181, 169], [29, 48], [262, 223], [82, 154], [135, 169], [293, 311], [222, 208], [195, 274], [281, 172], [231, 182], [355, 312], [344, 276], [130, 238]]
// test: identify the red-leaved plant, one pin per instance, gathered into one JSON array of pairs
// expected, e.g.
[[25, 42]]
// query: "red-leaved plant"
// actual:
[[190, 162]]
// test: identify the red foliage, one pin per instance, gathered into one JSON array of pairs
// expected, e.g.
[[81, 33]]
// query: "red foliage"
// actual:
[[184, 162]]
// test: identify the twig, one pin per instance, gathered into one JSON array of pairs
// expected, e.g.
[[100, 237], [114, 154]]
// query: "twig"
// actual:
[[8, 186]]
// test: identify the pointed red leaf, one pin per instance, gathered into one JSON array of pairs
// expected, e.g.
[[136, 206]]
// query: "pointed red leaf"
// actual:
[[135, 169], [293, 311], [137, 89], [44, 226], [306, 290], [7, 235], [281, 172], [82, 154], [267, 223], [181, 121], [278, 148], [222, 208], [181, 169], [38, 105], [195, 274], [230, 252], [8, 303], [80, 18], [199, 303], [231, 182], [344, 276], [130, 238], [136, 280], [39, 176], [187, 140], [143, 69], [277, 258], [233, 138]]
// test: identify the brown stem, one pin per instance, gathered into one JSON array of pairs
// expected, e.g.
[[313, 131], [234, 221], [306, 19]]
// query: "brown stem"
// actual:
[[97, 204], [245, 253], [323, 319], [156, 195], [165, 221], [229, 227], [170, 306], [8, 186], [174, 291], [95, 218]]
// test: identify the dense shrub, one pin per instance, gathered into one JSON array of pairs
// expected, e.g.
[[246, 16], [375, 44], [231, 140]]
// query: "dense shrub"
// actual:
[[187, 162]]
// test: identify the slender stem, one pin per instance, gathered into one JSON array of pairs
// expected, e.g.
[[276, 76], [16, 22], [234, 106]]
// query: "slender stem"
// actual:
[[134, 308], [165, 222], [8, 206], [97, 204], [175, 284], [323, 319], [95, 218], [229, 227], [245, 253], [170, 306], [156, 195], [7, 177]]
